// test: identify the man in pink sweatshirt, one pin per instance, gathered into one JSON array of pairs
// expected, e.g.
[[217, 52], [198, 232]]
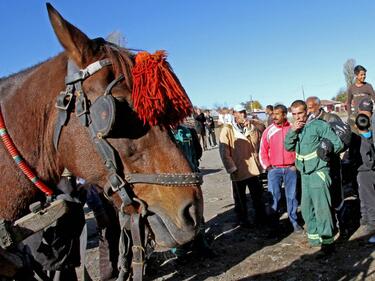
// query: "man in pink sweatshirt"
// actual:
[[279, 164]]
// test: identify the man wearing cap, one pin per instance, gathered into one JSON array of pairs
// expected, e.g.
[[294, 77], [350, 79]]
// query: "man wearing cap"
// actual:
[[239, 146], [305, 137]]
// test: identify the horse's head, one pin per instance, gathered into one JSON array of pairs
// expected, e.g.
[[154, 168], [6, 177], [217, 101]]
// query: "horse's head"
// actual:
[[104, 140]]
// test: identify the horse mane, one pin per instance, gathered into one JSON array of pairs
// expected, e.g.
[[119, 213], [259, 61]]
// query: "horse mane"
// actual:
[[17, 78], [122, 62]]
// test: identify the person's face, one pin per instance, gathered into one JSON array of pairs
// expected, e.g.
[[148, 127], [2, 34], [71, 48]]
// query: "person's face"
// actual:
[[240, 116], [268, 111], [299, 114], [278, 116], [312, 107], [361, 76]]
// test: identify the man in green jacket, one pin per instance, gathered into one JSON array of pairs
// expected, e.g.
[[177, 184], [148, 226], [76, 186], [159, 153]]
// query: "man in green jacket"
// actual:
[[306, 137]]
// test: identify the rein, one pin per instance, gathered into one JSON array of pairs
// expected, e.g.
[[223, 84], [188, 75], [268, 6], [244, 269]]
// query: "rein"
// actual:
[[21, 163]]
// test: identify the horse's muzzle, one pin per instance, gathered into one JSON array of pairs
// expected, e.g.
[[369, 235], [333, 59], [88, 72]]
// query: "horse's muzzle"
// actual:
[[169, 234]]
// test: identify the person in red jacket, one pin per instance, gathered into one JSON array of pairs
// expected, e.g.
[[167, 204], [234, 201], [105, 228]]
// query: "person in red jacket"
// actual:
[[279, 164]]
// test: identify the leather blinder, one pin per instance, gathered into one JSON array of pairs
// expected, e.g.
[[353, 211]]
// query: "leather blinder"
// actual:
[[102, 113]]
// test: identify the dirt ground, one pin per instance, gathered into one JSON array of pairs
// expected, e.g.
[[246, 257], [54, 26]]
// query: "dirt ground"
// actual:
[[250, 254]]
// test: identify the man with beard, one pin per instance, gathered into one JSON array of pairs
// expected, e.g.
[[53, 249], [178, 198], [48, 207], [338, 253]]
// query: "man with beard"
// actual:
[[280, 166]]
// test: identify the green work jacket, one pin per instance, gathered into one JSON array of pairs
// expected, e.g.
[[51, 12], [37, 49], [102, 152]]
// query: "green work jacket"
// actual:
[[305, 143]]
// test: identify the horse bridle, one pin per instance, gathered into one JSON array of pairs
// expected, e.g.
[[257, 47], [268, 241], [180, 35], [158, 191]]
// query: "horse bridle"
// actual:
[[99, 118]]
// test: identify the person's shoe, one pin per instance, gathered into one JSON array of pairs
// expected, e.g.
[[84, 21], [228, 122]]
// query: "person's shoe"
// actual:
[[326, 251], [245, 224], [328, 248], [297, 229], [372, 239]]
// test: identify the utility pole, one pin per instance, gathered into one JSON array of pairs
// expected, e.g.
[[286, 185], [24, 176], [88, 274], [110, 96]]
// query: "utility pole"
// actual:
[[251, 103], [303, 93]]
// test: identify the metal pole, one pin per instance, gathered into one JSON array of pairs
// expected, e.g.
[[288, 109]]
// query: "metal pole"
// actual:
[[303, 93]]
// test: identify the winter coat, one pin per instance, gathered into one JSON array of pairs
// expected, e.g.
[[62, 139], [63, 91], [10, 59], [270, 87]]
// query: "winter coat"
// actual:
[[239, 151]]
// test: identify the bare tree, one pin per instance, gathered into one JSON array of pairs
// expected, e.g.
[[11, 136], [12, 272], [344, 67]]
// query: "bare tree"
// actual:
[[349, 72], [252, 104], [341, 95]]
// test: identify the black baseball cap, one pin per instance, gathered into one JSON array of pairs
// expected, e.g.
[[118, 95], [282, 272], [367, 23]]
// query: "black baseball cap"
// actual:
[[366, 104]]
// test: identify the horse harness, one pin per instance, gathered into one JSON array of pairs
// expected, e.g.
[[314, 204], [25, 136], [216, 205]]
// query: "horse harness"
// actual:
[[99, 118]]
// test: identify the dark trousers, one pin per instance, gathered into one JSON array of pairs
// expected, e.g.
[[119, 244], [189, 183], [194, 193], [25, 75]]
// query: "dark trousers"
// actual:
[[211, 136], [239, 195], [108, 230], [366, 190]]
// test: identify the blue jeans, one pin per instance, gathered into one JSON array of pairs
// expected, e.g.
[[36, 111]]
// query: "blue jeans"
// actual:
[[276, 177]]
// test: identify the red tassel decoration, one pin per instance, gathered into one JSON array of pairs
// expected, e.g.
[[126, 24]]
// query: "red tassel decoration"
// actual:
[[158, 96]]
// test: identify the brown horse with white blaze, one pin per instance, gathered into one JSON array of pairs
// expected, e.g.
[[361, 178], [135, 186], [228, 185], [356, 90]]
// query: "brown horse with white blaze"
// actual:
[[27, 101]]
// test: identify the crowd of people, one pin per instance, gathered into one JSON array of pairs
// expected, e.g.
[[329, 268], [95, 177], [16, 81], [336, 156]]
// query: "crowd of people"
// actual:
[[304, 155]]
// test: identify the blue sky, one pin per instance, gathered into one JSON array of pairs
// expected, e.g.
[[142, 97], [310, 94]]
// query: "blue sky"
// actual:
[[222, 51]]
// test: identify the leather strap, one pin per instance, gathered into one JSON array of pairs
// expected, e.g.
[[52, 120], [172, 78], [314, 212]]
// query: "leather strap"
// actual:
[[138, 250], [82, 74], [112, 84], [63, 103], [165, 179]]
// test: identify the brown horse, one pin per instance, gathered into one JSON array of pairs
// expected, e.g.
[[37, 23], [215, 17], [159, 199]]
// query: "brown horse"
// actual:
[[27, 102]]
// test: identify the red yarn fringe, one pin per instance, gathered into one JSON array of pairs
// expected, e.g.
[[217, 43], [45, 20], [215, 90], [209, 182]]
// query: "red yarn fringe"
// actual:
[[158, 96]]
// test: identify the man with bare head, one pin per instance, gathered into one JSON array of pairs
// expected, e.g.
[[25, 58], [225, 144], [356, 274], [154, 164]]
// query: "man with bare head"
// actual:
[[305, 137], [359, 90], [316, 111], [280, 166]]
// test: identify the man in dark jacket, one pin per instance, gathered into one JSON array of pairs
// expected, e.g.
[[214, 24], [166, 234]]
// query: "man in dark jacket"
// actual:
[[362, 158], [200, 121], [315, 111], [210, 129]]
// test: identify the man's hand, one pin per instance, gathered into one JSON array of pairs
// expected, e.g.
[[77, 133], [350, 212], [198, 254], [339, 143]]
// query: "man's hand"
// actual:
[[298, 125]]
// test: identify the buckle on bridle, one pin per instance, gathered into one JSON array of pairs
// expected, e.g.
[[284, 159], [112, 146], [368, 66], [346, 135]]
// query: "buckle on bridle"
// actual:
[[116, 182], [63, 100]]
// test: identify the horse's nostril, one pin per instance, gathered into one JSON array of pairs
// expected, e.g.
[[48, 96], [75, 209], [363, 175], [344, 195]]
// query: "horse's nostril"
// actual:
[[189, 215]]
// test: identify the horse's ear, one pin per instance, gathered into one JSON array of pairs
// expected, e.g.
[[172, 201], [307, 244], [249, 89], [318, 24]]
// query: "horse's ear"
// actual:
[[74, 41]]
